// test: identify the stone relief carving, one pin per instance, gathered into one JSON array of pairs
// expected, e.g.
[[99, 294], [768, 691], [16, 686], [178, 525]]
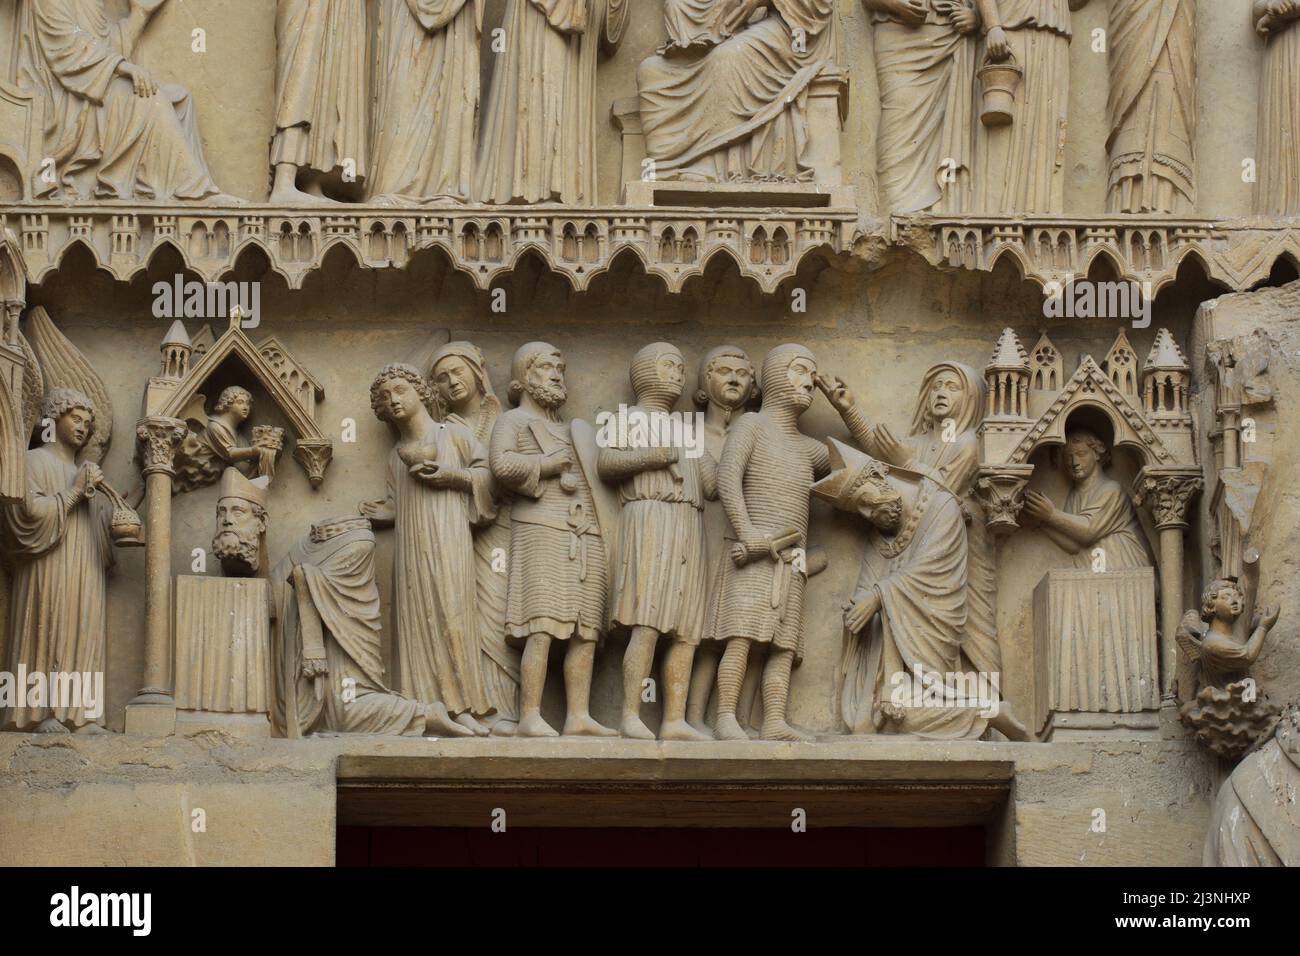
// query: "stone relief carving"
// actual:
[[239, 541], [328, 665], [1152, 108], [547, 74], [1223, 707], [1255, 821], [426, 105], [727, 100], [563, 536], [459, 375], [764, 480], [112, 130], [321, 101], [439, 487], [1277, 191], [660, 586], [902, 670]]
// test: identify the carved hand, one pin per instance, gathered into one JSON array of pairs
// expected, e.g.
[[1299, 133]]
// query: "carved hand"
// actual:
[[377, 511], [859, 614], [890, 448], [961, 15], [438, 477], [751, 545], [1283, 9], [740, 16], [314, 667], [88, 479], [836, 392], [997, 44], [1038, 507], [1265, 617], [140, 78], [556, 462]]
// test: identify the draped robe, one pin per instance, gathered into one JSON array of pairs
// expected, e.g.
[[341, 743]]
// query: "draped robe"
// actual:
[[426, 102], [434, 602], [339, 574], [738, 112], [1019, 168], [539, 138], [58, 602], [1152, 107], [927, 88], [106, 142], [321, 109], [919, 629], [1278, 190], [1256, 821]]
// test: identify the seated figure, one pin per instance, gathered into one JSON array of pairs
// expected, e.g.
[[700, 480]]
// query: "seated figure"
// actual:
[[726, 99]]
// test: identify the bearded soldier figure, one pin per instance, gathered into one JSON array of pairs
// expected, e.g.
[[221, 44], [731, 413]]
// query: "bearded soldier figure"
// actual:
[[559, 571], [765, 479]]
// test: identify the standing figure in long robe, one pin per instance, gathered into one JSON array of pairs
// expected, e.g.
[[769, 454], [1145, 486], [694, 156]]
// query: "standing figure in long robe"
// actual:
[[459, 374], [112, 130], [737, 112], [426, 103], [1152, 107], [438, 488], [1278, 191], [661, 573], [328, 664], [56, 540], [539, 138], [321, 99], [1020, 168], [925, 61]]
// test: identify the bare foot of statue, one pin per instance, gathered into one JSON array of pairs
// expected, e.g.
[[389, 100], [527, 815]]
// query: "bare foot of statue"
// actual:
[[701, 726], [583, 725], [438, 722], [468, 721], [752, 733], [681, 730], [532, 725], [50, 726], [504, 728], [780, 730], [633, 727], [728, 728], [1009, 725], [92, 729]]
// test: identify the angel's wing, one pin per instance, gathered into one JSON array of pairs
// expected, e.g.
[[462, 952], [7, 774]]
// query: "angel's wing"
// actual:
[[33, 387], [1189, 636], [63, 366]]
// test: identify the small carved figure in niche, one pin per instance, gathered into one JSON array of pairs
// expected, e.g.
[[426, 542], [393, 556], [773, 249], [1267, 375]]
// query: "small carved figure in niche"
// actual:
[[903, 670], [764, 480], [1152, 109], [726, 385], [1222, 704], [738, 111], [1255, 820], [439, 487], [57, 541], [329, 669], [426, 103], [240, 539], [1025, 174], [322, 101], [559, 533], [216, 442], [539, 128], [113, 131], [925, 60], [1277, 192], [661, 575], [1098, 515], [465, 395]]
